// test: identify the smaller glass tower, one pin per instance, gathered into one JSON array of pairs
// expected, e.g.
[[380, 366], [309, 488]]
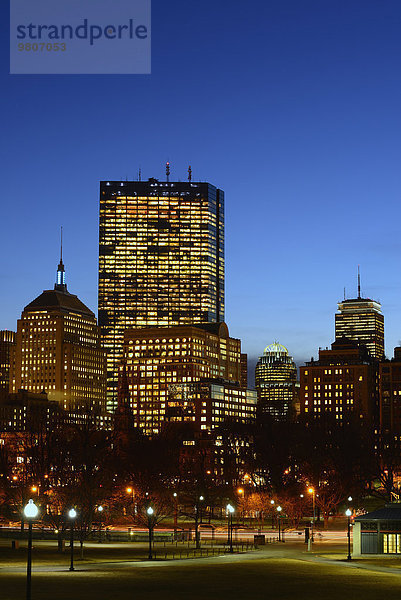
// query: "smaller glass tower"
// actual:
[[276, 382]]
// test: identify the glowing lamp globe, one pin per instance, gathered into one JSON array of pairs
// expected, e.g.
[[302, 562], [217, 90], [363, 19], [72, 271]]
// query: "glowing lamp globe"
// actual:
[[72, 513], [230, 508], [31, 510], [279, 509], [348, 512], [150, 511]]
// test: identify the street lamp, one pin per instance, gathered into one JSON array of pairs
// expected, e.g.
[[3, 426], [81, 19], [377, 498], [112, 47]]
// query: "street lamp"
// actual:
[[175, 514], [30, 512], [279, 509], [230, 511], [311, 490], [100, 510], [149, 512], [72, 513], [348, 512]]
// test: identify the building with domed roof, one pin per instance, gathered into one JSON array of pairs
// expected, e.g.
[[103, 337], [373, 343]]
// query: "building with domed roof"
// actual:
[[276, 382]]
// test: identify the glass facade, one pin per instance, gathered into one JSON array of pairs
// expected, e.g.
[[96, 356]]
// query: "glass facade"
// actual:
[[276, 382], [161, 260]]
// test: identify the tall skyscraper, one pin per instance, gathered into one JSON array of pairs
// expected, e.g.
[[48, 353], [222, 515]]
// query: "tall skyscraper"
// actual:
[[276, 382], [161, 260], [58, 350], [361, 320]]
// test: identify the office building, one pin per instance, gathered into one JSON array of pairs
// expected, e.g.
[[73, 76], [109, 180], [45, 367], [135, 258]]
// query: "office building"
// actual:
[[186, 373], [276, 383], [360, 319], [7, 341], [58, 350], [390, 400], [161, 260], [342, 384]]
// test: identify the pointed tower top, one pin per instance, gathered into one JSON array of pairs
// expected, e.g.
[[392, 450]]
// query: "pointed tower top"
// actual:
[[60, 282], [168, 171]]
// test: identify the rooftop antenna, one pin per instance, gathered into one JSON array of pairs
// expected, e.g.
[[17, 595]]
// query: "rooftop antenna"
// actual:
[[139, 174], [60, 281], [189, 173], [168, 171], [344, 293], [359, 283]]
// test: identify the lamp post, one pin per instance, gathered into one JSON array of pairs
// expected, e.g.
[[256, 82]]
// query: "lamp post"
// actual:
[[311, 490], [100, 511], [72, 513], [175, 514], [348, 512], [230, 512], [279, 509], [241, 494], [272, 503], [149, 512], [30, 512], [198, 520]]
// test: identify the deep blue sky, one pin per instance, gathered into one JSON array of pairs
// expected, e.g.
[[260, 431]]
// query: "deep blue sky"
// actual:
[[292, 107]]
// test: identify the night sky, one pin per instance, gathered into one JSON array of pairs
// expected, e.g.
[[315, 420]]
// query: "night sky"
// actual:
[[291, 107]]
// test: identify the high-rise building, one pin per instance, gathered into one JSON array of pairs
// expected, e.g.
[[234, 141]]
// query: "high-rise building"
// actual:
[[342, 383], [186, 373], [161, 260], [276, 382], [360, 319], [390, 399], [58, 350], [7, 341]]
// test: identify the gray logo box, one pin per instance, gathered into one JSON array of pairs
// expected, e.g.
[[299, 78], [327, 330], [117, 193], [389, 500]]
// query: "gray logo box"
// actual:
[[80, 36]]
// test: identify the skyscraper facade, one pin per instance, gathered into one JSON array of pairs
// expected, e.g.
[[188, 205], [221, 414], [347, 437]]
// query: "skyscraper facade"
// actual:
[[58, 350], [161, 260], [185, 373], [276, 382], [342, 383], [361, 320], [7, 341]]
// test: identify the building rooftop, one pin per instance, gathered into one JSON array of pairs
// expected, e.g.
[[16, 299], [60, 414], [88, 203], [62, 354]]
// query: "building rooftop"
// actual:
[[275, 348], [391, 512], [63, 301]]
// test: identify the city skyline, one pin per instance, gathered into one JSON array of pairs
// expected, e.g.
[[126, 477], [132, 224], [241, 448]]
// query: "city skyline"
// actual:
[[306, 151]]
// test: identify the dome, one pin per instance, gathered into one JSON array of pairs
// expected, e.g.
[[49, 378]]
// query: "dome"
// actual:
[[275, 348]]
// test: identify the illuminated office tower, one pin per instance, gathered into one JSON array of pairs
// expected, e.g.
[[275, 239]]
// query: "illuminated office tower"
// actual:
[[276, 382], [58, 350], [161, 260], [7, 341], [186, 373], [340, 384], [361, 320]]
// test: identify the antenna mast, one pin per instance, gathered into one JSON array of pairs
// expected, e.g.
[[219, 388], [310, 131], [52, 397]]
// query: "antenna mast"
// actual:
[[359, 284], [189, 173], [168, 171]]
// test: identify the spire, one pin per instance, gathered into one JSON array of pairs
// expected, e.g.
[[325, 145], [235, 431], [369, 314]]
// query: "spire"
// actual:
[[168, 171], [359, 284], [60, 282], [189, 173]]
